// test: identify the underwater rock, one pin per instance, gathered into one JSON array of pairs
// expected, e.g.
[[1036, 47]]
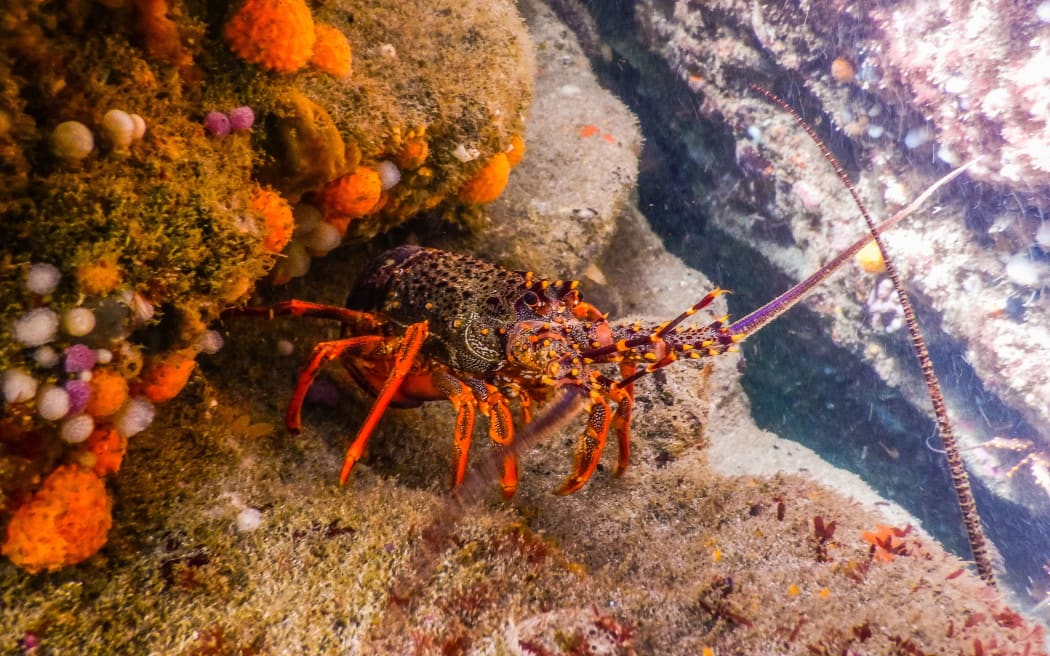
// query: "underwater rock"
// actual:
[[558, 212], [913, 108]]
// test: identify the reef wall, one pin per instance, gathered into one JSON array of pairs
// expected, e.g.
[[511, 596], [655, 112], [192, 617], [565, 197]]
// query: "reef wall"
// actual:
[[231, 535]]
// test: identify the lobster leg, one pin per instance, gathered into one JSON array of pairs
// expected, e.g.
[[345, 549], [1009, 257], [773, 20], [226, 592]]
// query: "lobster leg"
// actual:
[[621, 422], [321, 354], [411, 343], [501, 431], [462, 399], [294, 308], [589, 448]]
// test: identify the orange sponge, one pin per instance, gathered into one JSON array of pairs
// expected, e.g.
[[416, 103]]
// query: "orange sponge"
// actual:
[[516, 150], [109, 391], [100, 278], [413, 152], [331, 51], [166, 375], [108, 446], [277, 218], [275, 34], [65, 522], [488, 183], [355, 194]]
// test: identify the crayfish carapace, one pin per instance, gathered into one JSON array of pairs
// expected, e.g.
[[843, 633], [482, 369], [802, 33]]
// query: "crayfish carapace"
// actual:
[[423, 324]]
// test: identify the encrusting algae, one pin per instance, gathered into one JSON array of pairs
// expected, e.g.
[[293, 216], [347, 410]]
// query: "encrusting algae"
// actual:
[[154, 219]]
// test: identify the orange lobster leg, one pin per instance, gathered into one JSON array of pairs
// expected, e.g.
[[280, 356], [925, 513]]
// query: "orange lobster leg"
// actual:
[[589, 448], [321, 354], [411, 343], [621, 423], [294, 308], [463, 401], [501, 430]]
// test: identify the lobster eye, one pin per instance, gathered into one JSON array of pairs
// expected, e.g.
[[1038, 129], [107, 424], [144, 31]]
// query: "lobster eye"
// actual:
[[531, 299]]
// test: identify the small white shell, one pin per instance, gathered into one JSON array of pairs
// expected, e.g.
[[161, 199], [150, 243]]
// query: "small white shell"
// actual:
[[323, 239], [36, 327], [72, 141], [296, 262], [52, 402], [466, 153], [210, 342], [135, 417], [18, 386], [307, 218], [42, 278], [76, 429], [389, 174], [119, 128], [78, 321], [140, 127]]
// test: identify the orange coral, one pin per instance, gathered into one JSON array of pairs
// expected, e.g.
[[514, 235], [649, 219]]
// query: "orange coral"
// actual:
[[413, 153], [353, 195], [275, 34], [870, 259], [99, 278], [331, 51], [842, 70], [108, 447], [278, 221], [516, 150], [488, 183], [65, 522], [109, 391], [166, 375]]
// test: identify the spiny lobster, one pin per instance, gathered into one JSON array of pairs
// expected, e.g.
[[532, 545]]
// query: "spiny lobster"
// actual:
[[422, 324]]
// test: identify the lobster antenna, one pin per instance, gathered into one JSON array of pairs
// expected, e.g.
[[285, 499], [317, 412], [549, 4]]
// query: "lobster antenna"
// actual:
[[758, 319], [960, 479]]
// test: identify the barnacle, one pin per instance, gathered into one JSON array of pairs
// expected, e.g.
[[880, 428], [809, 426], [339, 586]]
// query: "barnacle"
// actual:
[[489, 182], [353, 195], [331, 51], [275, 34], [64, 523]]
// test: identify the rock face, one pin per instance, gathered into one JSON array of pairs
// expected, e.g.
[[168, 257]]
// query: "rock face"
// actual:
[[232, 536], [899, 107], [558, 213]]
